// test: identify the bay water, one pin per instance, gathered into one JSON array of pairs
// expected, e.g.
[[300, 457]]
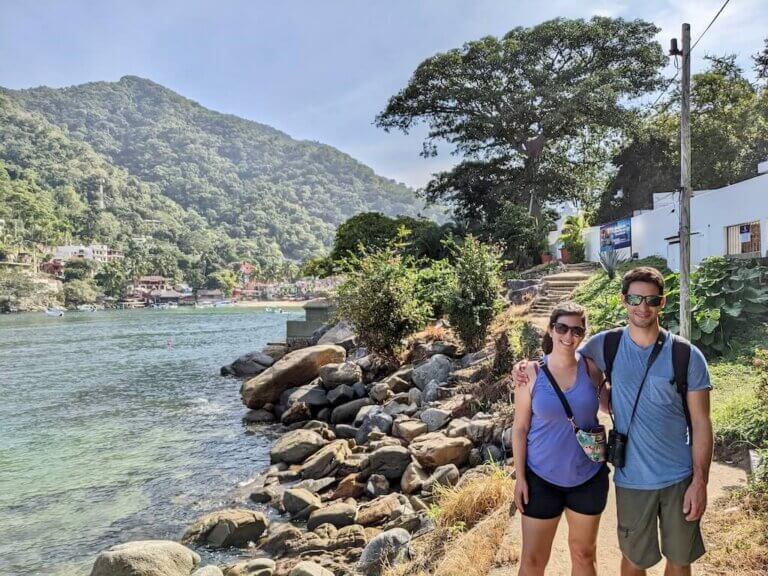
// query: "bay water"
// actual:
[[116, 426]]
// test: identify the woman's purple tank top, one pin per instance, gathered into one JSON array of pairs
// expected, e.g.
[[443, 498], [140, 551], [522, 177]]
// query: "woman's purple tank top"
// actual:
[[553, 452]]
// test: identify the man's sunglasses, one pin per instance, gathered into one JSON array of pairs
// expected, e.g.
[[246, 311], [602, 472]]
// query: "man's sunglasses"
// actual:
[[562, 329], [653, 301]]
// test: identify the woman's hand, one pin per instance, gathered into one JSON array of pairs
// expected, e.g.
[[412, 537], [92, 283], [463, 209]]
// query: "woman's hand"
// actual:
[[523, 371], [521, 494]]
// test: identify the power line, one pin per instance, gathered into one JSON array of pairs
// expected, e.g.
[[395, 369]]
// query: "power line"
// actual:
[[710, 24]]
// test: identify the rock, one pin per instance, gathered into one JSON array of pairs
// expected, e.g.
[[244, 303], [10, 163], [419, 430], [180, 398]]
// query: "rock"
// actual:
[[360, 391], [326, 531], [349, 487], [382, 422], [395, 409], [208, 571], [414, 396], [230, 527], [341, 334], [298, 412], [379, 510], [255, 567], [294, 369], [430, 393], [248, 365], [333, 375], [386, 441], [435, 418], [398, 384], [325, 461], [474, 358], [296, 446], [275, 350], [366, 412], [418, 504], [265, 495], [481, 430], [434, 449], [259, 416], [444, 348], [408, 428], [458, 427], [447, 475], [414, 478], [296, 502], [312, 394], [411, 522], [146, 558], [345, 431], [384, 550], [324, 414], [475, 458], [347, 412], [377, 485], [389, 461], [436, 368], [340, 515], [490, 453], [341, 394], [353, 464], [380, 392], [458, 405], [279, 535], [352, 536], [308, 568], [316, 485]]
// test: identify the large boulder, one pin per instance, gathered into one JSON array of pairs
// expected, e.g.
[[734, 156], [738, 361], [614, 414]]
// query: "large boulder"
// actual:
[[231, 527], [346, 412], [333, 375], [296, 446], [248, 365], [146, 558], [435, 418], [299, 502], [342, 334], [340, 514], [298, 412], [341, 394], [293, 370], [209, 570], [255, 567], [312, 394], [326, 461], [386, 549], [438, 367], [380, 509], [389, 461], [276, 542], [435, 449], [414, 478]]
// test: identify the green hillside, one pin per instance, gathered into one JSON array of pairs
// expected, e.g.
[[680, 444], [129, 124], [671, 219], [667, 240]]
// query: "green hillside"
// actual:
[[246, 180]]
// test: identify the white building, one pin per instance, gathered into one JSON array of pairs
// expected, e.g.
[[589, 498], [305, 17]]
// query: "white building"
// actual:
[[98, 252], [729, 221]]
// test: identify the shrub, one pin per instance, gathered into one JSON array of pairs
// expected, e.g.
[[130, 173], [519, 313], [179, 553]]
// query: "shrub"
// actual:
[[475, 297], [725, 294], [609, 260], [379, 296], [436, 283], [572, 237], [78, 292]]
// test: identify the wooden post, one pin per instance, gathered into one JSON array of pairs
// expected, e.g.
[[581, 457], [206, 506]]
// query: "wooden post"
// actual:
[[684, 232]]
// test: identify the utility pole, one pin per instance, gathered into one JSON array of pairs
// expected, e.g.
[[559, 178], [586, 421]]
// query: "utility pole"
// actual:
[[684, 210]]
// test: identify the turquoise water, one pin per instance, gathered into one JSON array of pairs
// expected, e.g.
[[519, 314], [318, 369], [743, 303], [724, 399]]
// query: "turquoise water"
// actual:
[[116, 426]]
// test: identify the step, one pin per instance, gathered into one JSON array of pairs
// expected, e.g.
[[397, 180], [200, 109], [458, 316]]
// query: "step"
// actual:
[[576, 276]]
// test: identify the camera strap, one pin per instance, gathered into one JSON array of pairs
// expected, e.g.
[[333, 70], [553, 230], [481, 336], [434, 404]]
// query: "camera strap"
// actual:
[[651, 359]]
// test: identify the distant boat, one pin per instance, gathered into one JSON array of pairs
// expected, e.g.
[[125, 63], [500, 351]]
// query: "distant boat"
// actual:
[[55, 312], [203, 304], [222, 303], [87, 308]]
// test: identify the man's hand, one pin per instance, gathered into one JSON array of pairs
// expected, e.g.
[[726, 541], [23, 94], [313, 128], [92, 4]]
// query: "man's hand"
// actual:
[[519, 373], [521, 494], [695, 500]]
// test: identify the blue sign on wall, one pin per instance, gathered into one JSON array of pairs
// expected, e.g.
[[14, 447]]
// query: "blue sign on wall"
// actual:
[[617, 234]]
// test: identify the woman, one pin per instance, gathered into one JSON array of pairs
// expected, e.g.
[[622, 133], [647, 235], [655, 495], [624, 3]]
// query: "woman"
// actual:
[[554, 472]]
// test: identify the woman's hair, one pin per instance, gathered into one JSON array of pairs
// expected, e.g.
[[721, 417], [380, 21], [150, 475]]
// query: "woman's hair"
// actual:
[[567, 308]]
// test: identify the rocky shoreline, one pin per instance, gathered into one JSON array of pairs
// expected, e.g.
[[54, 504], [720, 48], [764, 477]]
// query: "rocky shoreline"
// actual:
[[365, 446]]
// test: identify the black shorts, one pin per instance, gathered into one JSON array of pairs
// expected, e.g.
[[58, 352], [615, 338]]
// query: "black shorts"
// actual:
[[547, 501]]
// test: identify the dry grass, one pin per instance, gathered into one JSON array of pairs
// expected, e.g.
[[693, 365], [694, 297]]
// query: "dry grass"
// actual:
[[435, 334], [736, 531], [465, 506], [473, 553]]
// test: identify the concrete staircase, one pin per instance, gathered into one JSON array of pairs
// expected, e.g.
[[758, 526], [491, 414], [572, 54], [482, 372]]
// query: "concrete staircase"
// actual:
[[557, 287]]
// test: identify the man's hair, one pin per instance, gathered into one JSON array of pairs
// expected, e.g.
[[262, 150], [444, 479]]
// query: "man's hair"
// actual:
[[646, 274]]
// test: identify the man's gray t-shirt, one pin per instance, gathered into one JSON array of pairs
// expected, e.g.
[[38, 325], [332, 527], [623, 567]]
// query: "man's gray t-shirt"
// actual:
[[657, 454]]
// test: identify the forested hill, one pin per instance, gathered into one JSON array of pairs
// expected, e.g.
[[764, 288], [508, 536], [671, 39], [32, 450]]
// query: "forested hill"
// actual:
[[246, 180]]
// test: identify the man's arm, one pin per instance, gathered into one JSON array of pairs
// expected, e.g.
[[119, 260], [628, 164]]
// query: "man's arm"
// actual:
[[695, 501]]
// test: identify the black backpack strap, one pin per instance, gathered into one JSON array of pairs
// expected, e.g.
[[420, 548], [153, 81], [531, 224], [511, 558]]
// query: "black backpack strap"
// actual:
[[681, 356], [610, 349]]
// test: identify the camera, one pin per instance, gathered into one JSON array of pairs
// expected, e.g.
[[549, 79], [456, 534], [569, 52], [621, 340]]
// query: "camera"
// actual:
[[616, 448]]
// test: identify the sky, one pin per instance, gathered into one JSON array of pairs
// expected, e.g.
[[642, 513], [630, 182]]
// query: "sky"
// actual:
[[317, 69]]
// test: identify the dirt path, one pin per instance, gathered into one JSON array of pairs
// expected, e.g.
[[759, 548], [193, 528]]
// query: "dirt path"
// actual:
[[608, 554]]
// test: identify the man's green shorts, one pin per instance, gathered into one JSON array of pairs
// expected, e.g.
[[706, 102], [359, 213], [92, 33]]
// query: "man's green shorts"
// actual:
[[642, 513]]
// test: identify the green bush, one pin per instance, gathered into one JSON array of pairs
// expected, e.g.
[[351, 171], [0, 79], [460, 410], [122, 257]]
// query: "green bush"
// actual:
[[572, 237], [725, 295], [475, 299], [78, 292], [436, 282], [380, 297]]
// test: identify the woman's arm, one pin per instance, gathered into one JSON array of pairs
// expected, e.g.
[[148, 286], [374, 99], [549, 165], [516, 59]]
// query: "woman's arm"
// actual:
[[520, 430], [602, 387]]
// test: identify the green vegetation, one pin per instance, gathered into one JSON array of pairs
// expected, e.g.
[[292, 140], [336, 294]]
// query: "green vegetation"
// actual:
[[379, 296], [572, 237], [475, 300], [80, 291]]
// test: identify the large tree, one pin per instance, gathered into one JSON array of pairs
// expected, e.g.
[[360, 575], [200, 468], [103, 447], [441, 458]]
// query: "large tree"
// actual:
[[516, 108]]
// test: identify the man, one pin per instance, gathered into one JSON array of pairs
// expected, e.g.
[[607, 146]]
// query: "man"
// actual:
[[662, 488]]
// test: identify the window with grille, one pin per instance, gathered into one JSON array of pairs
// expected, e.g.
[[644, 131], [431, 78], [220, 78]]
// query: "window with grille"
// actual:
[[743, 239]]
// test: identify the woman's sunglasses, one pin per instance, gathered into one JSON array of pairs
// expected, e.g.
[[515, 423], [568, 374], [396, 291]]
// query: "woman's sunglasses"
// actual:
[[653, 301], [563, 329]]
